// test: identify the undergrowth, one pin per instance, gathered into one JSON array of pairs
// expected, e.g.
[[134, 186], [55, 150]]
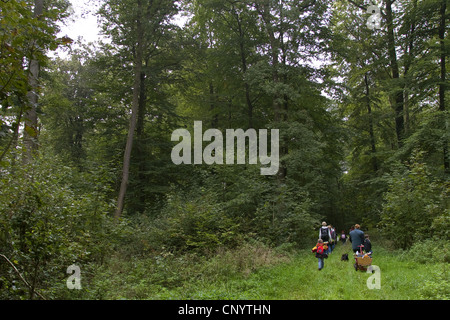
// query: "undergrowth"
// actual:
[[256, 271]]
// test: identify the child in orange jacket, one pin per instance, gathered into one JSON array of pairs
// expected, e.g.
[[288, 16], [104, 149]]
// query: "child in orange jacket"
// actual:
[[320, 250]]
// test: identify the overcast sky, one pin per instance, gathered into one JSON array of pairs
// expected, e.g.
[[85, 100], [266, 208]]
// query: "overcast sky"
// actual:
[[83, 22]]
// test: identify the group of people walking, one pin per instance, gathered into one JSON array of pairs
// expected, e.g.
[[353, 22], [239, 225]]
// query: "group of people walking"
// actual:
[[328, 238]]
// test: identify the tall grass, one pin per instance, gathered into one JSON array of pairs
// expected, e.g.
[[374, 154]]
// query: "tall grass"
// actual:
[[300, 279], [255, 271]]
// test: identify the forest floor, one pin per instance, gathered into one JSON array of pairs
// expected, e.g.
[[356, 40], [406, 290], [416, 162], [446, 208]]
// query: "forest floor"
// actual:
[[300, 279], [260, 274]]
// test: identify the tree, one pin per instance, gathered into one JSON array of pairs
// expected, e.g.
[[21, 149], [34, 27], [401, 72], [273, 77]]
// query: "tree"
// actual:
[[280, 39], [443, 78], [134, 109], [398, 97], [31, 119], [134, 25], [415, 205], [70, 104], [393, 75], [28, 31]]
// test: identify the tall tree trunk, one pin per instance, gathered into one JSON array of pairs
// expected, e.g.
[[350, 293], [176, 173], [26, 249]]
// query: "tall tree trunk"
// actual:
[[284, 149], [212, 106], [31, 119], [371, 131], [442, 85], [398, 97], [244, 71], [134, 112], [264, 12], [409, 57], [140, 152]]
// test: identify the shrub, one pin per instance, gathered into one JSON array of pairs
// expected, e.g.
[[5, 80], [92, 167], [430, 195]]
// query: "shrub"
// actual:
[[436, 288], [46, 227], [430, 251], [194, 224], [415, 205]]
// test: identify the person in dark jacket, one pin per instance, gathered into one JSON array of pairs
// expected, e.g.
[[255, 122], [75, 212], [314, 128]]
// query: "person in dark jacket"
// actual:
[[367, 245], [356, 238]]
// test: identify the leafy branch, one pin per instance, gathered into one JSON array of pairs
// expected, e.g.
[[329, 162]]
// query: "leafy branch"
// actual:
[[21, 276]]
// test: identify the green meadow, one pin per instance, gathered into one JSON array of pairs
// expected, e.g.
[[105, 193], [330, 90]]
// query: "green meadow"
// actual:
[[261, 273]]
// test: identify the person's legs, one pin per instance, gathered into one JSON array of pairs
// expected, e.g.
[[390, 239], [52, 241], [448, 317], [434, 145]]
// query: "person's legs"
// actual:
[[320, 263]]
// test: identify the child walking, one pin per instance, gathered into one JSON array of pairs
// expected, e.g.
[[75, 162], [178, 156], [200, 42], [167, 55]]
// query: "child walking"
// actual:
[[367, 245], [343, 237], [320, 250]]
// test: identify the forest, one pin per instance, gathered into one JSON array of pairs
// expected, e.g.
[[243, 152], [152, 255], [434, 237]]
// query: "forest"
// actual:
[[104, 171]]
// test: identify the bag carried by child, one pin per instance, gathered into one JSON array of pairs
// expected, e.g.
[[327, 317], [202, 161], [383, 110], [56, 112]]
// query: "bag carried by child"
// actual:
[[320, 252]]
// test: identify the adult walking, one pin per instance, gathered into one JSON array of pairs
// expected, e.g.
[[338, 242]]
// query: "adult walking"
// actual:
[[333, 237], [356, 237], [324, 234]]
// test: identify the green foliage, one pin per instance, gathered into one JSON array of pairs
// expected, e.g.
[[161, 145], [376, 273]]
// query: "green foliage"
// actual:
[[46, 226], [285, 217], [223, 232], [23, 37], [198, 223], [430, 250], [436, 288], [255, 271], [164, 275], [365, 87], [416, 205]]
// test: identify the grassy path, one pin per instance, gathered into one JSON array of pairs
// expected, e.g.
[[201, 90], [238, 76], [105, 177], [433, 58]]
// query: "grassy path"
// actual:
[[245, 274], [338, 280], [299, 279]]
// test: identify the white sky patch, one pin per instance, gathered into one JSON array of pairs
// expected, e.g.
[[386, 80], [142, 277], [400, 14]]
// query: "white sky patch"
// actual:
[[83, 22], [83, 25]]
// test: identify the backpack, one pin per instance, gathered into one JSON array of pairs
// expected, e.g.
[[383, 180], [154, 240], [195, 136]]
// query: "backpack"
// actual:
[[333, 234], [343, 236], [319, 250], [324, 234]]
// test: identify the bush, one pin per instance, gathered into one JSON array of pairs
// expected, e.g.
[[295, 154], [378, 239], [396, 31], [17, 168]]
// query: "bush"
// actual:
[[436, 288], [164, 275], [45, 226], [244, 259], [193, 224], [415, 205], [430, 251]]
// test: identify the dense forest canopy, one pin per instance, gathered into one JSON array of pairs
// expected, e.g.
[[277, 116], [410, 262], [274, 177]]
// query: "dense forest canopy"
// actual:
[[86, 139]]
